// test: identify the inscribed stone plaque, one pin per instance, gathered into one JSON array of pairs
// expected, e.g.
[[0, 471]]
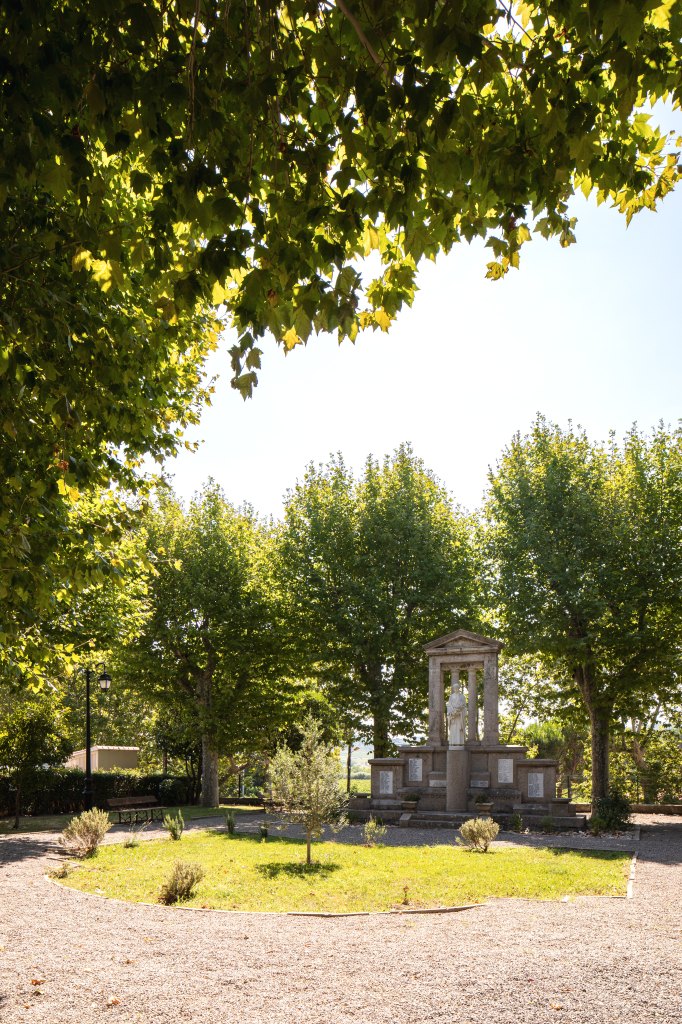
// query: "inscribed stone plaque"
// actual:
[[505, 770], [536, 784], [385, 783], [478, 783], [414, 769]]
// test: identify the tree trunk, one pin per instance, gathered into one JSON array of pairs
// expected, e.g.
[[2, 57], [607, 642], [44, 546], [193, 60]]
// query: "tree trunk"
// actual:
[[599, 740], [210, 796], [308, 842], [349, 757], [649, 793]]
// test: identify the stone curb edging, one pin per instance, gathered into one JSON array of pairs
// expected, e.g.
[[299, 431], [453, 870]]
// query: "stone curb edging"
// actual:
[[629, 894], [271, 913]]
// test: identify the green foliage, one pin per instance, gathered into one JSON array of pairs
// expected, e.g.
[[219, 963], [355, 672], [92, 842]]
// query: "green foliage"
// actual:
[[210, 650], [31, 736], [547, 824], [613, 810], [516, 822], [596, 825], [565, 516], [375, 567], [174, 825], [230, 822], [373, 832], [60, 790], [143, 189], [83, 835], [263, 831], [305, 784], [478, 833], [181, 883]]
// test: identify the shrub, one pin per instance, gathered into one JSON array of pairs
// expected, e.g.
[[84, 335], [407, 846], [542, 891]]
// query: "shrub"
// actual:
[[229, 822], [174, 825], [596, 825], [614, 811], [373, 832], [478, 833], [174, 790], [516, 822], [60, 790], [83, 834], [60, 872], [181, 882], [132, 839], [547, 823], [263, 831]]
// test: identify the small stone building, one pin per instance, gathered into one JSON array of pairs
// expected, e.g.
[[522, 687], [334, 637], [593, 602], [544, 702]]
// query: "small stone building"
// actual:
[[103, 759], [463, 762]]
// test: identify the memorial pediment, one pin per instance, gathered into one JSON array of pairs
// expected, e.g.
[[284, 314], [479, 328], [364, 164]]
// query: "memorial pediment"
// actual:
[[462, 641]]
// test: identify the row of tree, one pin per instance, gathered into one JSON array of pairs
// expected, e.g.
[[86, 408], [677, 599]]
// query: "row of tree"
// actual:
[[220, 626]]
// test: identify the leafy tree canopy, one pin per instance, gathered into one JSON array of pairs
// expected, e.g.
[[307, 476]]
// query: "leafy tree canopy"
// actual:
[[32, 735], [585, 540], [374, 568], [160, 161]]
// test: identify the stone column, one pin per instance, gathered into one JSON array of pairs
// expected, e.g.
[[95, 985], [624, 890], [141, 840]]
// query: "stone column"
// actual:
[[472, 708], [491, 728], [457, 779], [436, 703]]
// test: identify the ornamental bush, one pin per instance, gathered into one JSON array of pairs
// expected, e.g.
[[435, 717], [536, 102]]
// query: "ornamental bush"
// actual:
[[174, 825], [613, 811], [181, 882], [478, 833], [373, 832], [83, 834]]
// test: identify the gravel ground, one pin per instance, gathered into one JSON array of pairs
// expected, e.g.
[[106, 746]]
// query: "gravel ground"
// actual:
[[593, 960]]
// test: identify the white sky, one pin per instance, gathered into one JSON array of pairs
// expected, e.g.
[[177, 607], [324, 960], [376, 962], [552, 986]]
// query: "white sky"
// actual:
[[589, 333]]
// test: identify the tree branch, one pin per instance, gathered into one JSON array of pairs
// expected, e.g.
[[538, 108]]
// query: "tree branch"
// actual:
[[357, 27]]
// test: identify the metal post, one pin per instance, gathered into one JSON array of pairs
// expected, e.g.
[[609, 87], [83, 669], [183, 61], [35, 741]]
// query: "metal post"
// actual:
[[87, 789]]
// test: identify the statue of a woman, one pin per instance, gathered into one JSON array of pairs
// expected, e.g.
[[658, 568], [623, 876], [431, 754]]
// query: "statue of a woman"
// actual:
[[456, 713]]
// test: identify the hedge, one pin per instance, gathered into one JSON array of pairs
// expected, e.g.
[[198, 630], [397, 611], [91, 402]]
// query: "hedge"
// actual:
[[60, 790]]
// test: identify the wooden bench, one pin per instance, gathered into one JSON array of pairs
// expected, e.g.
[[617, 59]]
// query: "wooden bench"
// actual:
[[136, 808]]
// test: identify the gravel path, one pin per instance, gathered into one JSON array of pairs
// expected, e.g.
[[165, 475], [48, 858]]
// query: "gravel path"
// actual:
[[597, 961]]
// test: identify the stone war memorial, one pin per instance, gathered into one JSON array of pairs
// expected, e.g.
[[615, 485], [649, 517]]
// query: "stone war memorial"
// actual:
[[463, 768]]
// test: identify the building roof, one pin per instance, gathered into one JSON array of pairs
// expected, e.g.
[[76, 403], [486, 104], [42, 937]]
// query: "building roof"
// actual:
[[462, 640]]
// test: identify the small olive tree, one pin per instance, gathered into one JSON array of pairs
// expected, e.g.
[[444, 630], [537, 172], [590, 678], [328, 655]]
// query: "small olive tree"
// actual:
[[305, 784]]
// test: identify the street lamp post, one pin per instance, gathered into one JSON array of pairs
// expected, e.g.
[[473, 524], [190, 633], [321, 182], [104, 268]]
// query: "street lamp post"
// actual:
[[104, 680]]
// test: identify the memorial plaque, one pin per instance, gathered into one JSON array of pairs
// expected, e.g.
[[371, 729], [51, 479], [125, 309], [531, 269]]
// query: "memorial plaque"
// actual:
[[505, 770], [414, 769], [385, 783], [536, 785]]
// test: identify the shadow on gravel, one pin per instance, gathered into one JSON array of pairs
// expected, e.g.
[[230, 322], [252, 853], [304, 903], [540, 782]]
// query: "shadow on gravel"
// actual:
[[662, 843], [17, 848]]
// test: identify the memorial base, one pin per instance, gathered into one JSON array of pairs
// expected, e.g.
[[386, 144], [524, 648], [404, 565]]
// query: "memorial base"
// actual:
[[457, 779]]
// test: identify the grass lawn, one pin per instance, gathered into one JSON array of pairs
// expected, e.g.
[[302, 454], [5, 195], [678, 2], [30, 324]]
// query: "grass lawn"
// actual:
[[243, 873], [58, 822]]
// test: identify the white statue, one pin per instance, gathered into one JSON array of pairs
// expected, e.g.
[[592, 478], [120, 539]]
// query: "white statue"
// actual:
[[456, 713]]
